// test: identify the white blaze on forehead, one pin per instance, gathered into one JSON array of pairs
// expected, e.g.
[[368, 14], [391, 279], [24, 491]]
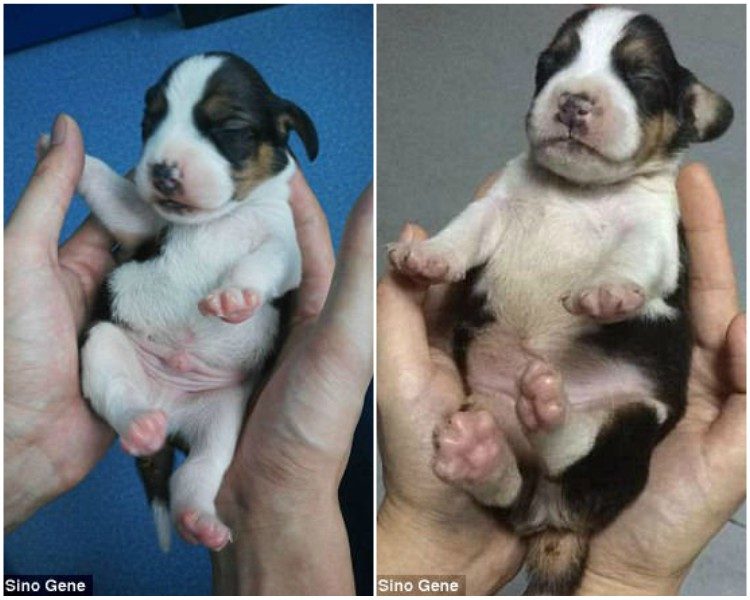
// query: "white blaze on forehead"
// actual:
[[601, 30], [188, 82]]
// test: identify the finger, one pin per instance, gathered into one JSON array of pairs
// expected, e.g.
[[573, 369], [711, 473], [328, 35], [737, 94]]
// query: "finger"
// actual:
[[41, 210], [712, 285], [314, 239], [403, 353], [487, 184], [726, 437], [86, 259], [348, 312]]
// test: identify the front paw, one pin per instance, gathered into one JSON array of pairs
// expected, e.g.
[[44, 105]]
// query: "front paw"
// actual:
[[608, 302], [232, 305], [424, 260]]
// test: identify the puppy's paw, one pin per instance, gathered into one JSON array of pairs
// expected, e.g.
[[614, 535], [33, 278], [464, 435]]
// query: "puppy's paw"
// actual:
[[425, 260], [145, 434], [231, 305], [541, 406], [198, 527], [469, 449], [608, 302]]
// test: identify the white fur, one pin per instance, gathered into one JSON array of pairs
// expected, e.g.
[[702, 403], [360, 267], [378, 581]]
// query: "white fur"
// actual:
[[164, 354], [615, 133], [206, 175]]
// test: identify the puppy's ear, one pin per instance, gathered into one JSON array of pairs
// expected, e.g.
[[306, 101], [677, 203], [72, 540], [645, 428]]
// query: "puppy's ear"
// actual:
[[709, 113], [290, 116]]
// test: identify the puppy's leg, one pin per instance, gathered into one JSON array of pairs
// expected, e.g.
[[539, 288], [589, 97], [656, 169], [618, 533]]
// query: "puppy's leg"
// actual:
[[116, 203], [210, 425], [268, 272], [584, 404], [113, 379], [473, 453], [467, 241]]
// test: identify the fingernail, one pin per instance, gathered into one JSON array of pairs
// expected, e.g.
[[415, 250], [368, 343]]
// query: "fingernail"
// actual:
[[407, 233], [59, 129]]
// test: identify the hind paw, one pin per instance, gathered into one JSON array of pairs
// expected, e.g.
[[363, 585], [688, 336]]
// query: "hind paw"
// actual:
[[202, 528], [145, 434], [469, 448], [542, 403]]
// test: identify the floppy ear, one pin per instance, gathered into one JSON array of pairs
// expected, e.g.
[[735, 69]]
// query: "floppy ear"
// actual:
[[709, 113], [290, 116]]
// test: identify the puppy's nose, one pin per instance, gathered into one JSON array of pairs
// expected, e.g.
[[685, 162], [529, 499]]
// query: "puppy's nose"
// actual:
[[165, 178], [573, 110]]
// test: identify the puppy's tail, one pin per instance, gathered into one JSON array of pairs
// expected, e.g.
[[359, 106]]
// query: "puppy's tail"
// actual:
[[555, 562], [155, 471]]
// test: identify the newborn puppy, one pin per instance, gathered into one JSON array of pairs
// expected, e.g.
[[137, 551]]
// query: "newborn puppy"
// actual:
[[208, 228], [574, 344]]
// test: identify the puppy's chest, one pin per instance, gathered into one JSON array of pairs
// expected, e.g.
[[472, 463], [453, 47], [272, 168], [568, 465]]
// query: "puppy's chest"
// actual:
[[548, 246], [162, 290]]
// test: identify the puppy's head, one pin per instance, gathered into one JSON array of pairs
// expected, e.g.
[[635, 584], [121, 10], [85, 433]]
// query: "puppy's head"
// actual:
[[612, 101], [212, 132]]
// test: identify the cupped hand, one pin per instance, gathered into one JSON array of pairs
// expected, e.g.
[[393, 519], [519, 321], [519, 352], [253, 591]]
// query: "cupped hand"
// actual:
[[426, 526], [280, 493], [52, 438], [697, 476]]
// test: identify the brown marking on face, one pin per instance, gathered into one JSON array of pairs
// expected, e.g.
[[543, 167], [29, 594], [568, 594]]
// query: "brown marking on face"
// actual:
[[256, 170], [658, 132], [217, 106]]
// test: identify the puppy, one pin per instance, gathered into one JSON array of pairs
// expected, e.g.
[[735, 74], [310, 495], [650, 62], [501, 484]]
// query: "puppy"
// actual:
[[574, 344], [208, 231]]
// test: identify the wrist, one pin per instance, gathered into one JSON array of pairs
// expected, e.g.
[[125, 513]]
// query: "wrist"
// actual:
[[415, 541], [623, 583], [278, 551]]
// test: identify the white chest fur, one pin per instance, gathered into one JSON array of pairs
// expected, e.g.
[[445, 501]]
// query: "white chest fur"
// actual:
[[554, 238], [158, 298]]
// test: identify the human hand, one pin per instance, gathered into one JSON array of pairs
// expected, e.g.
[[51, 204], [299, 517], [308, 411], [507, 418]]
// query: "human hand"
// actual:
[[697, 476], [279, 495], [426, 526], [52, 438]]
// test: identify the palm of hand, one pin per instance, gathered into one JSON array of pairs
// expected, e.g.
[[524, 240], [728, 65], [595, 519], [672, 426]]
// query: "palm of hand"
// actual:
[[697, 472], [663, 530], [45, 308]]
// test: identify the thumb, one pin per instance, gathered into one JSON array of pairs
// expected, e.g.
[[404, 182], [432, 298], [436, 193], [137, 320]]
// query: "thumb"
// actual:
[[346, 318], [726, 436], [41, 210]]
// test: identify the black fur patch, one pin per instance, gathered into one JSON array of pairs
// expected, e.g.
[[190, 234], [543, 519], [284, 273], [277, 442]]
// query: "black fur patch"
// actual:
[[661, 348], [564, 48], [155, 471], [602, 483], [473, 315]]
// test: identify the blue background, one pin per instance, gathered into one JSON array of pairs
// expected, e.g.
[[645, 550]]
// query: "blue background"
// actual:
[[318, 56]]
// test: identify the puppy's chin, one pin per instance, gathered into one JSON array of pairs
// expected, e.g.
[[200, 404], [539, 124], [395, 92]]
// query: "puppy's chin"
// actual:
[[190, 215], [580, 163]]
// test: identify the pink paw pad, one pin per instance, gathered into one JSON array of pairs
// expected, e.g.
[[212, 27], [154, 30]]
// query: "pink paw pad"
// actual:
[[610, 302], [419, 260], [542, 401], [202, 528], [145, 434], [232, 305], [470, 448]]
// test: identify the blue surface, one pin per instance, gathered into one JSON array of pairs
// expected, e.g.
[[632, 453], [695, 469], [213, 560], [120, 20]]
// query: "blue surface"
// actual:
[[318, 56]]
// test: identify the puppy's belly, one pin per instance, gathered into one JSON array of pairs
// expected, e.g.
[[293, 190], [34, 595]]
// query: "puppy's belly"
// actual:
[[179, 370]]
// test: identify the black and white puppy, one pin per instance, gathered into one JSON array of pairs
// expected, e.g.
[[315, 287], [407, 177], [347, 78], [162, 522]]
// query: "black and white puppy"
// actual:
[[575, 346], [209, 230]]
